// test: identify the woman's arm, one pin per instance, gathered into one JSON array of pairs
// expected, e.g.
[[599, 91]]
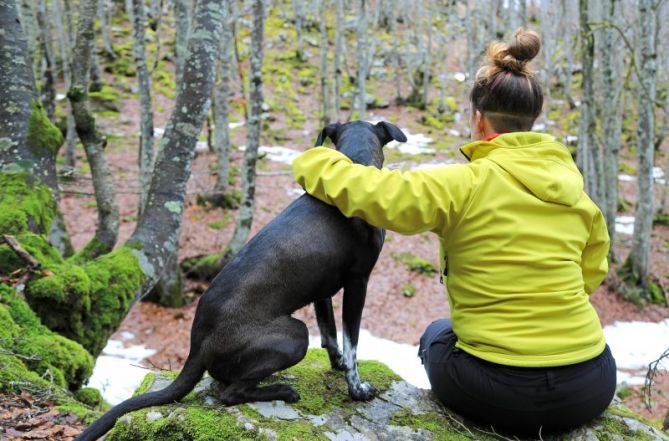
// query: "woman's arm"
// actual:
[[406, 202], [594, 259]]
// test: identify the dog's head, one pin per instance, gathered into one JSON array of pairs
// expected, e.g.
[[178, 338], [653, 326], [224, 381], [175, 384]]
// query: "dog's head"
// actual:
[[361, 141]]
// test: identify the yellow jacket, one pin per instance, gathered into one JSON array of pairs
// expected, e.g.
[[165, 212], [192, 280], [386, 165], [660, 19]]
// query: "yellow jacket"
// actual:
[[521, 243]]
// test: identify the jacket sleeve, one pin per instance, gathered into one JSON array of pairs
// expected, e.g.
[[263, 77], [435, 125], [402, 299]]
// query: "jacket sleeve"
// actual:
[[594, 259], [406, 202]]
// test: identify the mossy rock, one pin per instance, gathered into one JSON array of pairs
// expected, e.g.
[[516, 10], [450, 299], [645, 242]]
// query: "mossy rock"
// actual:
[[325, 412], [26, 204]]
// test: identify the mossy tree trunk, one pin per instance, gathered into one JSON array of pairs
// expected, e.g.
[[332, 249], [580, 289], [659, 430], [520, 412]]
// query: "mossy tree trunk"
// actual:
[[106, 233]]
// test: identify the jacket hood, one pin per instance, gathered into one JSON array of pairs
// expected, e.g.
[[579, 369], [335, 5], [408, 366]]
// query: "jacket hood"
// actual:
[[539, 162]]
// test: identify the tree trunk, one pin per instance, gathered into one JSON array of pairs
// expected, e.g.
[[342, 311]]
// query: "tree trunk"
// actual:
[[159, 227], [137, 14], [104, 29], [362, 48], [639, 258], [182, 14], [243, 226], [222, 96], [611, 116], [28, 142], [339, 49], [569, 53], [587, 141], [298, 6], [325, 95], [396, 64], [429, 14], [48, 89], [108, 218]]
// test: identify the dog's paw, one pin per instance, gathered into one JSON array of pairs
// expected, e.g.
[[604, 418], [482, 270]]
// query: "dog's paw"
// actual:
[[362, 392], [291, 395]]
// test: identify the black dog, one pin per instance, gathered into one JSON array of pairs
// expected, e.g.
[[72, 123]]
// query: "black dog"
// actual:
[[243, 330]]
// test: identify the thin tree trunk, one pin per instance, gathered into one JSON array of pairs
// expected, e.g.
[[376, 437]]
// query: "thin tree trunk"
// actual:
[[182, 13], [569, 53], [138, 17], [48, 89], [108, 218], [104, 28], [611, 116], [429, 14], [243, 226], [96, 82], [339, 49], [159, 227], [396, 65], [298, 6], [362, 59], [64, 44], [222, 95], [643, 221], [325, 95], [587, 142]]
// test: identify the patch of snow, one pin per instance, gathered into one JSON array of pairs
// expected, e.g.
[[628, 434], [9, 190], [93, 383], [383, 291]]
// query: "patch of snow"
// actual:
[[625, 225], [116, 373], [125, 335], [570, 140], [453, 132], [459, 76], [283, 155], [539, 127], [635, 345], [60, 96], [295, 192], [416, 144], [401, 358], [658, 175], [626, 178]]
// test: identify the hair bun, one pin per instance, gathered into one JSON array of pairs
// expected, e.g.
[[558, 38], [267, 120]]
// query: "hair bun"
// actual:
[[525, 46], [515, 56]]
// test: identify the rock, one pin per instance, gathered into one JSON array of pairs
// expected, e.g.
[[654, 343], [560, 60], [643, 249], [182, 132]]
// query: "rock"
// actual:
[[325, 412]]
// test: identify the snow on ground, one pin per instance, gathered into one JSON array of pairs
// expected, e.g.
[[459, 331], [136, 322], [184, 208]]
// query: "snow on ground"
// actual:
[[634, 345], [416, 144], [625, 225], [117, 372]]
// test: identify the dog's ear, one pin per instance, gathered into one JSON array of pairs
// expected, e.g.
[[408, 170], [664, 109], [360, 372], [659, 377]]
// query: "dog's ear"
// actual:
[[329, 131], [388, 132]]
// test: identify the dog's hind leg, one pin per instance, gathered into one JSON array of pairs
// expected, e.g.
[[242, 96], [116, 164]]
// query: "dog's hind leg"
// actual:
[[355, 290], [328, 329], [274, 347]]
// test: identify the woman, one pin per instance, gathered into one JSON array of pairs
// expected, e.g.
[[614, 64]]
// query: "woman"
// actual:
[[521, 245]]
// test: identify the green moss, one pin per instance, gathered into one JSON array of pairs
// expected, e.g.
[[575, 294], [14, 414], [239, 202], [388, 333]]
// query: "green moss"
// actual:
[[89, 396], [85, 414], [321, 388], [26, 205], [408, 290], [202, 267], [442, 428], [183, 423], [615, 429], [41, 132], [416, 264], [50, 355]]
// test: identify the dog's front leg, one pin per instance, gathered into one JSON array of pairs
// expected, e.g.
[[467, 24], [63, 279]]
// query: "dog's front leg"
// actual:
[[328, 329], [355, 290]]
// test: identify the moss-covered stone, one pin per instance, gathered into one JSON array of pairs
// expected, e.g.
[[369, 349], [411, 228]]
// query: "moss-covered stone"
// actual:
[[324, 412], [89, 396], [26, 204]]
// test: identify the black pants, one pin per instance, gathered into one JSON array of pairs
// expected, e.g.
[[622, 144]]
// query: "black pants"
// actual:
[[522, 400]]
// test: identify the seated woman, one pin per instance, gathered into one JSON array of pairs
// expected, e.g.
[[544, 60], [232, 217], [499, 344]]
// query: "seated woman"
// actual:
[[521, 246]]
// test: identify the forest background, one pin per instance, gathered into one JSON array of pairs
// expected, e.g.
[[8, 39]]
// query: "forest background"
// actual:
[[144, 141]]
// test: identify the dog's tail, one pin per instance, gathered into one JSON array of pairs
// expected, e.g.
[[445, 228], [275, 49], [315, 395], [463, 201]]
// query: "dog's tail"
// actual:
[[184, 383]]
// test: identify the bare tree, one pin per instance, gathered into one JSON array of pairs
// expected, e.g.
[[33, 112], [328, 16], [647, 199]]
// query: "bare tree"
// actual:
[[298, 7], [338, 54], [137, 13], [182, 15], [587, 141], [108, 217], [243, 226], [639, 257], [427, 61], [325, 95], [104, 13], [611, 111], [363, 59]]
